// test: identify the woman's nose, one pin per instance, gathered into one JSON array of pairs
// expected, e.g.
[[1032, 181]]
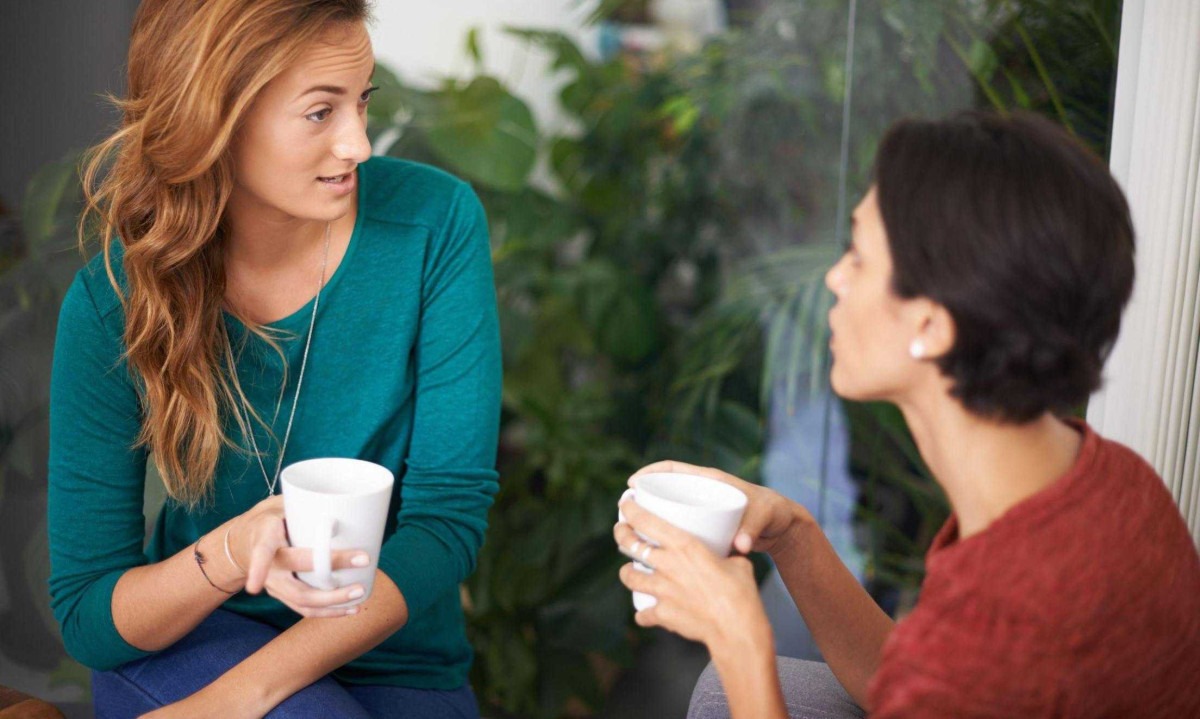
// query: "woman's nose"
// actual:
[[833, 277], [352, 143]]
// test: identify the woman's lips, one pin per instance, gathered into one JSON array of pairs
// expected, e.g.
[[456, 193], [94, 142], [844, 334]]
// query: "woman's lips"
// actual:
[[340, 184]]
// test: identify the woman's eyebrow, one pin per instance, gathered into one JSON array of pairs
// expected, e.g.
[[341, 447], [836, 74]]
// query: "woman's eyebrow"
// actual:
[[333, 89]]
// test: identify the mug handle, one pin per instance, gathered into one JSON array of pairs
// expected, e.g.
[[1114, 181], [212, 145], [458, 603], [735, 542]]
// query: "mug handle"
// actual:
[[322, 559]]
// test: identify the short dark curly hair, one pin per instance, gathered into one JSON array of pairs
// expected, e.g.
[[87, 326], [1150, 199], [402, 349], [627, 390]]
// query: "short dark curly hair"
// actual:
[[1023, 235]]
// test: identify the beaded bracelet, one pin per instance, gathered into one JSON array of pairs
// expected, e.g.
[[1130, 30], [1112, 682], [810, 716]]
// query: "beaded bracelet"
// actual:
[[200, 560]]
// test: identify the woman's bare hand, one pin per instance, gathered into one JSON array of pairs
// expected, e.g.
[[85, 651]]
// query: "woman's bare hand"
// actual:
[[772, 523], [700, 596], [259, 543]]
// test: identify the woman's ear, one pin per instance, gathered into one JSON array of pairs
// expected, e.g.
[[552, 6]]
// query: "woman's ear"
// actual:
[[937, 331]]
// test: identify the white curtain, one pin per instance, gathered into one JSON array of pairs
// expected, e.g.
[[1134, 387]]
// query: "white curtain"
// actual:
[[1151, 398]]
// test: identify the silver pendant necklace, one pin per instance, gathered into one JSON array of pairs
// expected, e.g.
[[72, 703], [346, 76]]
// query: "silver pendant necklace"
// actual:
[[273, 480]]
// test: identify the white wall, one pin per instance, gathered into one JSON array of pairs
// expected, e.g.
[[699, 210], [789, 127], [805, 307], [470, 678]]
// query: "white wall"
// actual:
[[425, 41]]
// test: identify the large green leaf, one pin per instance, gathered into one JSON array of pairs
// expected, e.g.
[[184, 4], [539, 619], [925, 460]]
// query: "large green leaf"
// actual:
[[620, 310], [484, 132], [48, 208], [388, 101]]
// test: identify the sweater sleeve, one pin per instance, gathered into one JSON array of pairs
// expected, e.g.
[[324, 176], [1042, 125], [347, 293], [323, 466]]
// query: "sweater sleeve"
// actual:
[[449, 479], [96, 481]]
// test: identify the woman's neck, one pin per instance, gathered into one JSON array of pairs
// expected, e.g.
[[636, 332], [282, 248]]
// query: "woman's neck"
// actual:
[[987, 467], [265, 240], [272, 262]]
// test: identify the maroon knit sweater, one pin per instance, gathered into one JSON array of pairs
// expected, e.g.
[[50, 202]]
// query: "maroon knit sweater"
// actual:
[[1081, 601]]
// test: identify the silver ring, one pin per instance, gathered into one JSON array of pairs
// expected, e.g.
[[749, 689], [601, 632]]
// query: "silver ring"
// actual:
[[646, 554], [633, 548]]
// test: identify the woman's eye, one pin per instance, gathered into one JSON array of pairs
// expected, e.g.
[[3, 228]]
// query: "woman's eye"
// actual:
[[366, 96], [319, 115]]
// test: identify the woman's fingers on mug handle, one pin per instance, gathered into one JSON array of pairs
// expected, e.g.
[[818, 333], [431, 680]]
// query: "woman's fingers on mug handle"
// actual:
[[306, 600], [647, 617], [622, 534], [638, 581], [328, 612], [639, 550], [299, 559], [647, 524]]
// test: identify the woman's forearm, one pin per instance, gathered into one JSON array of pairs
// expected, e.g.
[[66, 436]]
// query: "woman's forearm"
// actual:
[[846, 623], [745, 661], [155, 605], [307, 651]]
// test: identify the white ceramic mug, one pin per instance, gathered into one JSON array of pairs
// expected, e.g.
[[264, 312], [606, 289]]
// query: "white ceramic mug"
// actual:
[[709, 509], [337, 503]]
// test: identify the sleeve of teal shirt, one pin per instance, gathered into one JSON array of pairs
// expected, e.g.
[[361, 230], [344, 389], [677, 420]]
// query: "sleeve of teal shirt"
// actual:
[[95, 522], [450, 478]]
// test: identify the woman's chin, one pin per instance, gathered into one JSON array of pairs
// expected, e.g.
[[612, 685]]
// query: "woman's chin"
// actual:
[[837, 384], [845, 387], [324, 211]]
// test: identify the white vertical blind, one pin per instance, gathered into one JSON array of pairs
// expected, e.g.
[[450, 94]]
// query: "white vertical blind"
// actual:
[[1151, 398]]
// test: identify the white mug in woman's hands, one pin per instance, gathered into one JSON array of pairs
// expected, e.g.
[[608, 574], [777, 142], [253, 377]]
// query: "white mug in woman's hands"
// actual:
[[706, 508], [771, 522], [258, 548], [335, 504]]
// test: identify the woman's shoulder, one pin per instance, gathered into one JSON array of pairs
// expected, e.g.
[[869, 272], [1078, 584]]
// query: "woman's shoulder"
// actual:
[[408, 192], [93, 289]]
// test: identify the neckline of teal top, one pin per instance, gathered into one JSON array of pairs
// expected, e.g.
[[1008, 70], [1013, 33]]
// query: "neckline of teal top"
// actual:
[[298, 321]]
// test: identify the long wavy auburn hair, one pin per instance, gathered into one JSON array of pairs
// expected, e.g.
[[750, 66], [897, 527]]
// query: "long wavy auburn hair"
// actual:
[[160, 184]]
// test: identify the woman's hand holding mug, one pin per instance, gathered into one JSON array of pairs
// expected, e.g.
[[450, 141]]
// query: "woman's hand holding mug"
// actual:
[[772, 523], [259, 548], [700, 595], [698, 591], [321, 560]]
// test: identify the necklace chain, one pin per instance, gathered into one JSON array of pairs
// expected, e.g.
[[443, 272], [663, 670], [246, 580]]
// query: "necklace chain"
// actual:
[[273, 480]]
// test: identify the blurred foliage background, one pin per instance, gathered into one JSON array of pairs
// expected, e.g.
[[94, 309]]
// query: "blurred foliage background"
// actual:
[[659, 272]]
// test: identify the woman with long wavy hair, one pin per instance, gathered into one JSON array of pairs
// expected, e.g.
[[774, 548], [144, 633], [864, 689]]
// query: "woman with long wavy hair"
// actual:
[[266, 293]]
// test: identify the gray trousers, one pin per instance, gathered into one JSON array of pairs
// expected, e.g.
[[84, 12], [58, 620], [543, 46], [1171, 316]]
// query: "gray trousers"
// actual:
[[809, 689]]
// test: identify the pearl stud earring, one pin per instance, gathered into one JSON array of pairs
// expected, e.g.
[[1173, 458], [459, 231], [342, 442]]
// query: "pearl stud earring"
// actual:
[[917, 349]]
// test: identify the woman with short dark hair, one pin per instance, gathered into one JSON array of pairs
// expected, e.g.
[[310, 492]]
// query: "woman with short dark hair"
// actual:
[[981, 293]]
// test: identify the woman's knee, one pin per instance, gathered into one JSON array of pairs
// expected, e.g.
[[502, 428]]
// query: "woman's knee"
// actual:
[[114, 696], [809, 689], [708, 698]]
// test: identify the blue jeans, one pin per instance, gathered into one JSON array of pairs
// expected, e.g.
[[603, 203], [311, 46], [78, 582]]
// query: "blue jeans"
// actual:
[[222, 641]]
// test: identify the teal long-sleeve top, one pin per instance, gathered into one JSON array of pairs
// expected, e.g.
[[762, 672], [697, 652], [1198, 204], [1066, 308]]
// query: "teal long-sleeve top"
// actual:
[[403, 370]]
